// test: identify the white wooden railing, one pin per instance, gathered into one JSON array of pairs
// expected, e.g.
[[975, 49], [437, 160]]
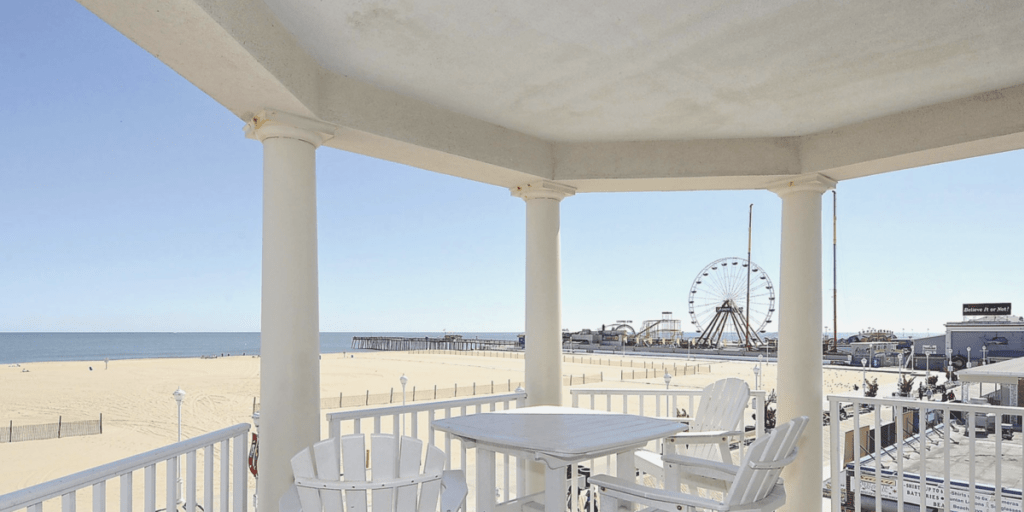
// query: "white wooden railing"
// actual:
[[233, 478], [415, 418], [663, 403], [874, 476]]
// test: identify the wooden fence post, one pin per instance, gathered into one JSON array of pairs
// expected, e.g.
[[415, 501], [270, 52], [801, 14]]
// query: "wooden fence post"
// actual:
[[101, 423], [60, 420]]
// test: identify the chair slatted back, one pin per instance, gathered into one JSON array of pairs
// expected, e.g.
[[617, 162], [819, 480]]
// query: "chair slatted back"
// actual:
[[721, 408], [397, 482], [759, 472]]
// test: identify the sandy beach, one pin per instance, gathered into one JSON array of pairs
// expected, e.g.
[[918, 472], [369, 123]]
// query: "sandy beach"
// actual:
[[140, 414]]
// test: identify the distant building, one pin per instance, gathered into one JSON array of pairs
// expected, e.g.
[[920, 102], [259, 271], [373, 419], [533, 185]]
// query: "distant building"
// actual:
[[999, 337]]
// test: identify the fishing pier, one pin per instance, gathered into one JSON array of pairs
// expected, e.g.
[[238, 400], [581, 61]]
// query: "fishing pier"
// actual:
[[449, 342]]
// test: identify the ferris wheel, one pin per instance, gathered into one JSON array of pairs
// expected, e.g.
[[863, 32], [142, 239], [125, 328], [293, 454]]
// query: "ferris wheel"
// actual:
[[718, 302]]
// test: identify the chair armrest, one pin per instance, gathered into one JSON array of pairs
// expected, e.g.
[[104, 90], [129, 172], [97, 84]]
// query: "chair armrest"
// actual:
[[703, 436], [704, 470], [623, 489], [453, 490]]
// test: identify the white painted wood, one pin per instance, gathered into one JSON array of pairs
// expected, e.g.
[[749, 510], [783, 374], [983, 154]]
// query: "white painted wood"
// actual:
[[408, 467], [558, 436], [190, 481], [382, 467], [149, 499], [454, 493], [52, 489], [240, 468], [225, 466], [408, 487], [99, 497], [302, 467], [68, 502], [171, 487], [753, 485], [485, 481], [208, 505], [328, 467], [126, 492]]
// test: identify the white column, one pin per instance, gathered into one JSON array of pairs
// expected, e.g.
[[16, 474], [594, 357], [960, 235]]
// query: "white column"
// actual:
[[543, 301], [290, 317], [799, 358]]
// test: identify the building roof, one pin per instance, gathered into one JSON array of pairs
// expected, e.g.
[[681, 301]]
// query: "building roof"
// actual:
[[1005, 372]]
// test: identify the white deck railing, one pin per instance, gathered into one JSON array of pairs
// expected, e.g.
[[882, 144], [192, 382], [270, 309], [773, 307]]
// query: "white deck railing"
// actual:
[[417, 417], [955, 479], [233, 481]]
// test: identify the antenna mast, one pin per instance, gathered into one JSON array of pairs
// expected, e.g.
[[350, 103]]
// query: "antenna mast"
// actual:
[[746, 310], [835, 293]]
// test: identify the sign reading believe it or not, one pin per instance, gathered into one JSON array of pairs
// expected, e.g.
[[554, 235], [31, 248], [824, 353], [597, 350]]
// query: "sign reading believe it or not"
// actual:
[[1002, 308]]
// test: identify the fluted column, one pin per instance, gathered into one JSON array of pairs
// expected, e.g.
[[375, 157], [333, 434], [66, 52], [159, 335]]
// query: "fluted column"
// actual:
[[290, 317], [800, 360]]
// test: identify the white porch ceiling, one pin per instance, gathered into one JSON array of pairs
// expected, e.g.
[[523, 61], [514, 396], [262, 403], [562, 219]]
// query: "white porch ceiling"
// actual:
[[609, 95]]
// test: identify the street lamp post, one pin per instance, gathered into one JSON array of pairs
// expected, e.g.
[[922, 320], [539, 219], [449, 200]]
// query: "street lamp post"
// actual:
[[668, 379], [179, 395], [403, 379], [864, 378], [757, 378], [968, 357], [984, 354], [901, 371]]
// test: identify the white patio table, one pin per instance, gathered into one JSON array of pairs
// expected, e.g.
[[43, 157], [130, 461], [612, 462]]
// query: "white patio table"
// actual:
[[556, 436]]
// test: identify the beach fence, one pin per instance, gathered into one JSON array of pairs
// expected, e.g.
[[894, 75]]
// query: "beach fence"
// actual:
[[612, 360], [12, 433]]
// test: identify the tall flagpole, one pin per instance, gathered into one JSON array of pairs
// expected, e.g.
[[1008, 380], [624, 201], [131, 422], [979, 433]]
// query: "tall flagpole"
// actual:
[[835, 281], [750, 227]]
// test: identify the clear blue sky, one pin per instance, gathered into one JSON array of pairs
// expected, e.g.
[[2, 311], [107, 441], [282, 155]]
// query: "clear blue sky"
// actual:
[[130, 201]]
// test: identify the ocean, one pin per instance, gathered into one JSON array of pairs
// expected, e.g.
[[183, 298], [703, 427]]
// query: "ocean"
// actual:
[[29, 347]]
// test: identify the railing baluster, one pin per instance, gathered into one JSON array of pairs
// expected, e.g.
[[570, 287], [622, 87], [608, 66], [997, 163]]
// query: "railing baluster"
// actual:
[[171, 481], [68, 502], [971, 447], [149, 498], [376, 424], [190, 481], [948, 418], [999, 462], [415, 424], [208, 479], [35, 507], [834, 461], [99, 496], [225, 474], [878, 457], [900, 495], [856, 456], [241, 482], [126, 492]]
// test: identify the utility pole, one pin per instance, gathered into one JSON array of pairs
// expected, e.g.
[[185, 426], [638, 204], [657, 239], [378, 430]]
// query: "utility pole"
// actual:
[[746, 311]]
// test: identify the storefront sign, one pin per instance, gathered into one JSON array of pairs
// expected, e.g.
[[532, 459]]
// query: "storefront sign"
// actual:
[[1002, 308]]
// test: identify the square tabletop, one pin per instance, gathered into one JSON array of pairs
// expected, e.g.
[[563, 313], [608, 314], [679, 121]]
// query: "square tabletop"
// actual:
[[565, 433]]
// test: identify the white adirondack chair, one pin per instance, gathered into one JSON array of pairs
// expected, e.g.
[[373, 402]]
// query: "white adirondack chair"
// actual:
[[397, 482], [753, 485], [718, 418]]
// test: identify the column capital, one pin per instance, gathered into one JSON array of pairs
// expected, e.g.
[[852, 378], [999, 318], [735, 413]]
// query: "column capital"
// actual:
[[543, 189], [803, 183], [268, 124]]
